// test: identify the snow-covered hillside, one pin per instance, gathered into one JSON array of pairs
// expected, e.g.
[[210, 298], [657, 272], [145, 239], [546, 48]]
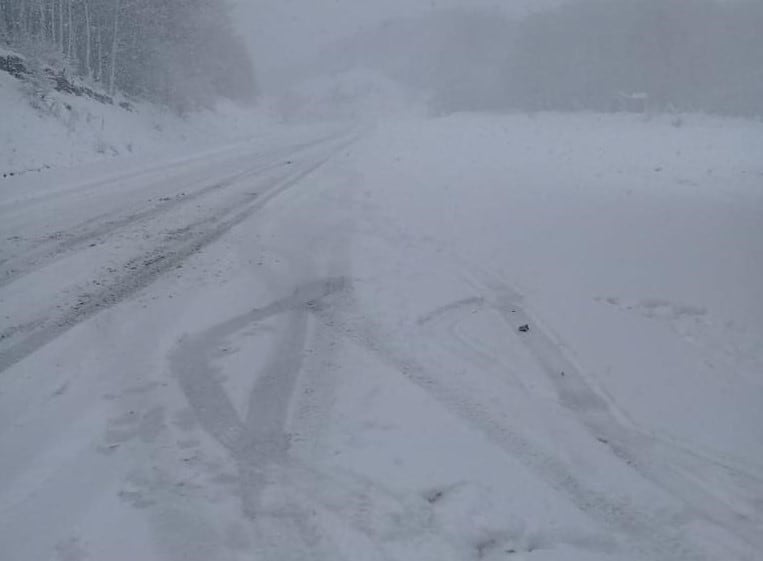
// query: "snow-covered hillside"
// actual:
[[473, 337], [65, 130]]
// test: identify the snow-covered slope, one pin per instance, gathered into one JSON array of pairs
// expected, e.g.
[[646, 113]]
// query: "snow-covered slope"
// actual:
[[477, 337], [65, 130]]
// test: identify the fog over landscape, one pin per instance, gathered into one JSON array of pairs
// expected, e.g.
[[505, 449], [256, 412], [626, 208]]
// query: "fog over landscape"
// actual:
[[286, 32], [602, 55], [364, 280]]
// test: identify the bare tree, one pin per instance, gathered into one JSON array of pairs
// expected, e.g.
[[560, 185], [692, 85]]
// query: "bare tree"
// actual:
[[114, 47], [180, 52], [88, 40]]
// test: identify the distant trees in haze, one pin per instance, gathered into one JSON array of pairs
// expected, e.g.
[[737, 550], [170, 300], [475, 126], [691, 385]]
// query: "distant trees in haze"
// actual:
[[596, 55], [458, 56], [179, 52], [688, 55]]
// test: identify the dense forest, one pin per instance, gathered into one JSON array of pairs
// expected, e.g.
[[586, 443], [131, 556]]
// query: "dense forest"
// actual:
[[181, 53]]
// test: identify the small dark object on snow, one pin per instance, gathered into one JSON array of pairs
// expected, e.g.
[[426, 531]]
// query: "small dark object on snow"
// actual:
[[562, 373], [434, 495], [524, 328]]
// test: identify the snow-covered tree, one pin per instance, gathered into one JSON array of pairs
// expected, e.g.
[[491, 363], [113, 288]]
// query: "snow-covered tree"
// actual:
[[181, 52]]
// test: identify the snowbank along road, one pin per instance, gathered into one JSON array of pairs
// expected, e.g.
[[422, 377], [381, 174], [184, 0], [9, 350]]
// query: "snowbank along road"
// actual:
[[404, 343]]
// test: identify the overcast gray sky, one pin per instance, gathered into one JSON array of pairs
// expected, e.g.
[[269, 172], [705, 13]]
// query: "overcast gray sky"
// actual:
[[282, 31]]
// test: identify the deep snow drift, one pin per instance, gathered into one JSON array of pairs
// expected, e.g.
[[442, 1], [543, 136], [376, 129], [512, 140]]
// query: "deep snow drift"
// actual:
[[308, 346]]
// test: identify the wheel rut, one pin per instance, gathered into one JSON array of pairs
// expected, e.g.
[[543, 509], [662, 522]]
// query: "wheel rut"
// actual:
[[146, 268]]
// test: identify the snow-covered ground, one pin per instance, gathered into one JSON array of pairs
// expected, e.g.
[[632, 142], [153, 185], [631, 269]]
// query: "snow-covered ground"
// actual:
[[65, 130], [308, 346]]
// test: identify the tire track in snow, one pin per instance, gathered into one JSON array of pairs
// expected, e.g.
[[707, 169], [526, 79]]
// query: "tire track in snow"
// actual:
[[669, 467], [48, 250], [258, 443], [638, 450], [664, 463], [648, 534], [151, 265], [155, 173]]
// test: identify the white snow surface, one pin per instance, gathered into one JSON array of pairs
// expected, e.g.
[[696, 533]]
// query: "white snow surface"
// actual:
[[307, 345], [65, 131]]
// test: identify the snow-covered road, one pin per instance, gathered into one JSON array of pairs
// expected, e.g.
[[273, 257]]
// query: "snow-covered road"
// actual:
[[105, 241], [313, 346]]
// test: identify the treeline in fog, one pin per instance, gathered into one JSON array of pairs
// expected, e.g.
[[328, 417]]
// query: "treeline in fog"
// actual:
[[182, 53], [596, 55], [661, 55]]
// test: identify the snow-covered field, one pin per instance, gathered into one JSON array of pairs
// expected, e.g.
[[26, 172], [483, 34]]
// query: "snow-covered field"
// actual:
[[308, 346]]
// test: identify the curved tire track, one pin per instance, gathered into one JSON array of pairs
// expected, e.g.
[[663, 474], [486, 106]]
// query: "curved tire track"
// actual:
[[648, 534]]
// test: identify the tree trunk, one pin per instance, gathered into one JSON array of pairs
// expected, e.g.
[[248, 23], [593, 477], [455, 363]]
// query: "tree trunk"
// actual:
[[3, 20], [24, 21], [70, 23], [114, 47], [61, 25], [88, 42], [41, 9], [99, 41], [3, 23], [52, 21]]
